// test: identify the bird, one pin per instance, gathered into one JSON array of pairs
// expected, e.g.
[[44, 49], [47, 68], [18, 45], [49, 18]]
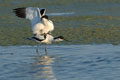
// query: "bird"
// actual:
[[48, 39], [45, 27], [39, 21]]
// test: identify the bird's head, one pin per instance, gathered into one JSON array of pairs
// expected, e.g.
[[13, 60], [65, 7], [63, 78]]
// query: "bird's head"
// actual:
[[44, 17], [60, 38]]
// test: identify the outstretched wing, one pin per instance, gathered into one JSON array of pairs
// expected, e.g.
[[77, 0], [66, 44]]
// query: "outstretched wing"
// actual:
[[32, 13]]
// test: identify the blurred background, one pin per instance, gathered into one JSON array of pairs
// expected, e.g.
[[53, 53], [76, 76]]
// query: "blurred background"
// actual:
[[80, 21]]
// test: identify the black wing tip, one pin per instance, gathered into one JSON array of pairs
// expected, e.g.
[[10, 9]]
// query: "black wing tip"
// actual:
[[20, 12], [16, 9], [42, 11], [20, 8], [38, 39]]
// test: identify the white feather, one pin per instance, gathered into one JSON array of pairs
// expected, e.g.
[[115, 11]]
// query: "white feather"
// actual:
[[38, 29], [48, 26], [34, 15]]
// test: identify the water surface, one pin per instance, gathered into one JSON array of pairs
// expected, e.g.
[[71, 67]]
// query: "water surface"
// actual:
[[73, 62]]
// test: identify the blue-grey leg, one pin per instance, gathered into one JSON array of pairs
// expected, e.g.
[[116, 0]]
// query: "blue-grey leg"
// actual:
[[37, 49], [46, 52]]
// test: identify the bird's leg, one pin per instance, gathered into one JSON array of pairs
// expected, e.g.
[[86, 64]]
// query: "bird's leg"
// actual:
[[46, 51], [37, 49]]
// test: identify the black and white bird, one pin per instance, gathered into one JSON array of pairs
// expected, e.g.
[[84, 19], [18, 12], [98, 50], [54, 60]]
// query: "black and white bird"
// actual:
[[39, 21], [48, 39]]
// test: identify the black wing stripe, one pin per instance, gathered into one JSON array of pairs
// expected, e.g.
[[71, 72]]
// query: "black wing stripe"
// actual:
[[38, 39], [20, 12]]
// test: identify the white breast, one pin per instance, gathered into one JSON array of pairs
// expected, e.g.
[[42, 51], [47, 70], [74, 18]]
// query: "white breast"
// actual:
[[38, 28]]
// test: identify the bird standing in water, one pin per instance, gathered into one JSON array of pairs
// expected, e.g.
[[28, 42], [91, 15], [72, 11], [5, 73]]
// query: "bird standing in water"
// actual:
[[40, 23], [48, 39]]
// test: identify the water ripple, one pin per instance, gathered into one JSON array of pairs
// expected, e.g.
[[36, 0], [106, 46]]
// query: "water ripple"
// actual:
[[85, 62]]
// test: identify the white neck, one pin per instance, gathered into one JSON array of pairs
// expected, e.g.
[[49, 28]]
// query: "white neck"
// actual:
[[45, 21]]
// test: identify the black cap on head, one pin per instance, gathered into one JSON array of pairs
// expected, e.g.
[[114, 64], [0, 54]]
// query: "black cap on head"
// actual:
[[45, 16]]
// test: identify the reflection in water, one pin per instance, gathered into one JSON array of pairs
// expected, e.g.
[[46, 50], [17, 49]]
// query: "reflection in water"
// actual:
[[43, 68]]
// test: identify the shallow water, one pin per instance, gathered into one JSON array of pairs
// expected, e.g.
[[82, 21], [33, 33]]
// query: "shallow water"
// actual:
[[65, 62]]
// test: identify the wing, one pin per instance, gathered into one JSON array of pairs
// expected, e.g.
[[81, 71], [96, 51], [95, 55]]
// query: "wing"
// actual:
[[52, 25], [32, 13], [35, 39]]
